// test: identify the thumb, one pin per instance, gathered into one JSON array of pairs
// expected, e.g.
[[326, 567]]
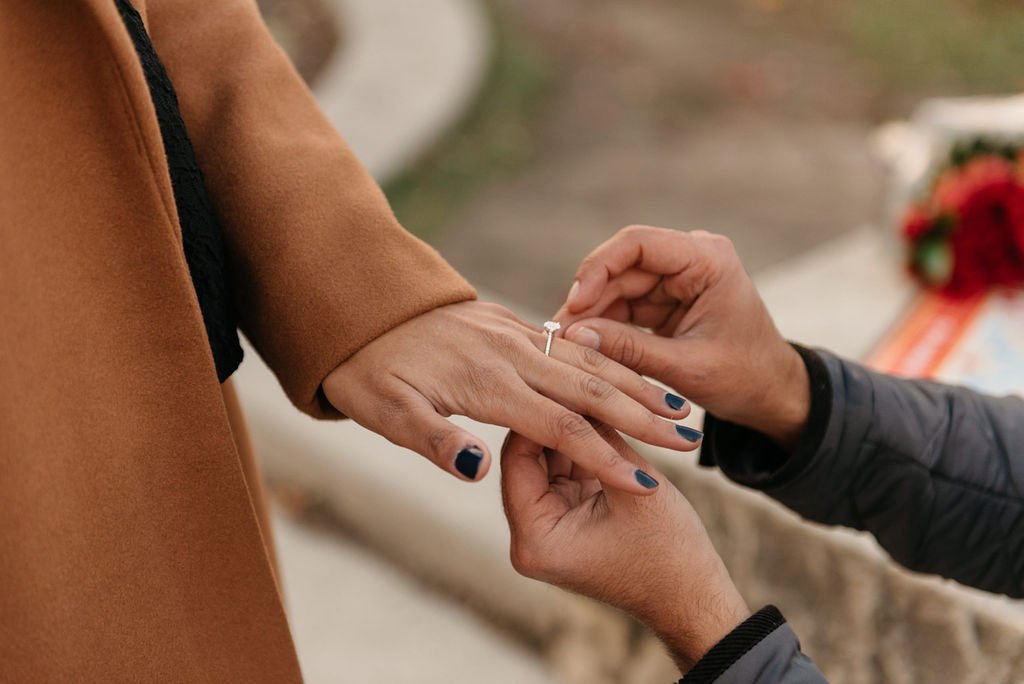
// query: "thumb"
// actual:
[[644, 352], [524, 480]]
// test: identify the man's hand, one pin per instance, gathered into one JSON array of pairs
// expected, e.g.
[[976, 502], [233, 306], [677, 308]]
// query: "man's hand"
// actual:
[[714, 339], [479, 360], [649, 556]]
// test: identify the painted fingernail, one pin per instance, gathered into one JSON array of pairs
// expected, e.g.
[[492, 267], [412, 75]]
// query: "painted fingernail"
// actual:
[[573, 291], [674, 401], [645, 479], [468, 461], [689, 434], [586, 337]]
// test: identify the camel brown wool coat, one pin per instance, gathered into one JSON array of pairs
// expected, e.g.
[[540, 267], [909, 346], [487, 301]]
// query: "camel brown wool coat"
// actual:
[[131, 547]]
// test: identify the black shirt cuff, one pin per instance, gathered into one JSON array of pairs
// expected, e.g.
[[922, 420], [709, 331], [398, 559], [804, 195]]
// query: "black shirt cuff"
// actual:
[[734, 646], [751, 458]]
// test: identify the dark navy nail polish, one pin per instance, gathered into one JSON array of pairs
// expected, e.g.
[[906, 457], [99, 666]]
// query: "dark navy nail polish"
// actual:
[[674, 402], [645, 479], [468, 461], [689, 434]]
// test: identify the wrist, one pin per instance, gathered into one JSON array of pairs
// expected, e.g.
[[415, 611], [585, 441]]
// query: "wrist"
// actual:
[[787, 403], [686, 648], [700, 620]]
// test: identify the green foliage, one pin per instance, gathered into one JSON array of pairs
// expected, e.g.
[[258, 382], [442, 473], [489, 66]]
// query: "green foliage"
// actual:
[[966, 46], [495, 137], [966, 150], [933, 259]]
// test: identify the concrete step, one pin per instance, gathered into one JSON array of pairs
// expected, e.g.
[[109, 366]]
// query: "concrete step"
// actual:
[[356, 618]]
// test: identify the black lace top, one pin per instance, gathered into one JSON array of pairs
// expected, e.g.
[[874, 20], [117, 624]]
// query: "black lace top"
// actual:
[[203, 241]]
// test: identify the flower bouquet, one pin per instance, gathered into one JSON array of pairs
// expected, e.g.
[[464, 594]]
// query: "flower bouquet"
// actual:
[[967, 235]]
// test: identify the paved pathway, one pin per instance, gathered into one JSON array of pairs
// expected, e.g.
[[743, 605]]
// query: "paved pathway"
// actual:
[[357, 619], [406, 73]]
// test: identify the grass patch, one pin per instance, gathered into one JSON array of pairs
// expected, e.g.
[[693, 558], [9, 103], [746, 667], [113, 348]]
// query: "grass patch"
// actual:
[[954, 46], [495, 137]]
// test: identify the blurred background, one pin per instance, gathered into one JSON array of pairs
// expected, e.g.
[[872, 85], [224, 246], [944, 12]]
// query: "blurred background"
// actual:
[[744, 117], [516, 135]]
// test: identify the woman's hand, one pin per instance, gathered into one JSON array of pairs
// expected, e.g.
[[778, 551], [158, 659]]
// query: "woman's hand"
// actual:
[[479, 360], [715, 341], [649, 556]]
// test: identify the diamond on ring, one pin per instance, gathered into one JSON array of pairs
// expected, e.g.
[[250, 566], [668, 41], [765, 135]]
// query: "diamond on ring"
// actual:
[[551, 327]]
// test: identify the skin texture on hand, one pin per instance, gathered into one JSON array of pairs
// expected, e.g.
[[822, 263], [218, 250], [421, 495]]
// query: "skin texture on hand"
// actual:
[[479, 360], [713, 340], [649, 556]]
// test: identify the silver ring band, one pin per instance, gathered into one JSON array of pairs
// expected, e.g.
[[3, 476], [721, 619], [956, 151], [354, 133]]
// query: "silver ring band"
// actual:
[[550, 327]]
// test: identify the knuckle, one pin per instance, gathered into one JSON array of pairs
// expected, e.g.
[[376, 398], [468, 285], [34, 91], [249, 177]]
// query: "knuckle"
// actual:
[[570, 427], [392, 410], [485, 372], [594, 389], [591, 262], [494, 309], [481, 378], [439, 438], [701, 375], [607, 460], [503, 342], [592, 360], [722, 247], [629, 351], [720, 241], [610, 460]]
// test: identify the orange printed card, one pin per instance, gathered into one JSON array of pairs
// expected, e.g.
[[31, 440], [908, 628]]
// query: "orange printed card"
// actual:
[[975, 341]]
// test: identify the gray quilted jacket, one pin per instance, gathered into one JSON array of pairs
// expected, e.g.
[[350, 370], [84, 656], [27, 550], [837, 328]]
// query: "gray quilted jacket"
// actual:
[[934, 472]]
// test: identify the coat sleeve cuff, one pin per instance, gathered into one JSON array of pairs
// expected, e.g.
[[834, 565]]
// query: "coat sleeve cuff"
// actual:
[[734, 646], [761, 650], [318, 264], [751, 458]]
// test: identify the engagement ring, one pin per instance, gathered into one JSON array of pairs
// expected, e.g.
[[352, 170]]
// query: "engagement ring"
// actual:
[[551, 327]]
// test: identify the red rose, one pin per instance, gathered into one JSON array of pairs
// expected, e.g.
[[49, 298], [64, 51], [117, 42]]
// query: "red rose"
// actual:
[[1016, 210], [916, 223], [969, 235], [956, 187], [988, 205]]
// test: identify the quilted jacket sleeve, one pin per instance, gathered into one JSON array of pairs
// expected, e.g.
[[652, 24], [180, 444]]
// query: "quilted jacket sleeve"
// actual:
[[319, 265], [762, 650], [934, 472]]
